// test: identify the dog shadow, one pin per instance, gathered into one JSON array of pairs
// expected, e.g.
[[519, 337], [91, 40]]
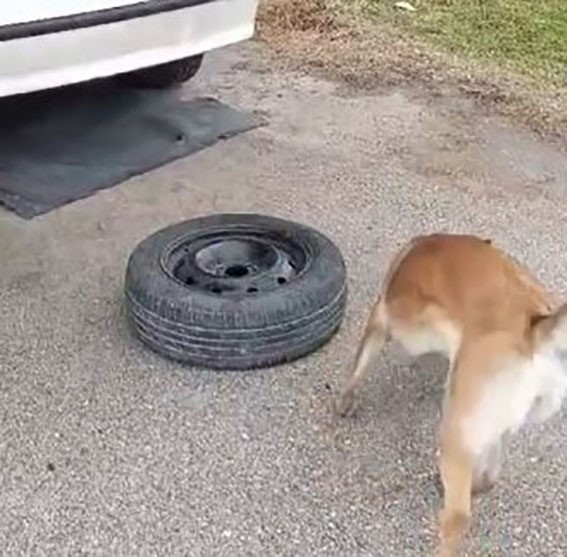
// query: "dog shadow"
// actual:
[[399, 407]]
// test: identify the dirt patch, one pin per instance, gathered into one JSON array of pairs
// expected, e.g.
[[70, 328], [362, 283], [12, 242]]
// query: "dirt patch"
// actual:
[[298, 16], [337, 40]]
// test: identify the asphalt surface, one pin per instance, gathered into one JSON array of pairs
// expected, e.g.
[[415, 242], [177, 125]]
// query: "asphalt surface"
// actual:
[[107, 449]]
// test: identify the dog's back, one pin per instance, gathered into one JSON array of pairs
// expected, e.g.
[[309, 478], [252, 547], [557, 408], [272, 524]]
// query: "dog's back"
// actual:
[[465, 286]]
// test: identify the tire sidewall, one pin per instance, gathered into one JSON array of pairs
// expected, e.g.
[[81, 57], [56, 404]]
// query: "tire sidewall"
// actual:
[[319, 285]]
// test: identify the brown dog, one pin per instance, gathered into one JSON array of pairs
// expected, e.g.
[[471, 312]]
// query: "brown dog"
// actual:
[[507, 346]]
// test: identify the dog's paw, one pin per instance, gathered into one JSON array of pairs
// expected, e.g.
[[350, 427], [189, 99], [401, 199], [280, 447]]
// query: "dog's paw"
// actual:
[[344, 404], [483, 485]]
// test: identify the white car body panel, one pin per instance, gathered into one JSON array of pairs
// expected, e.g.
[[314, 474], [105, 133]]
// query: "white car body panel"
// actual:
[[49, 59], [25, 11]]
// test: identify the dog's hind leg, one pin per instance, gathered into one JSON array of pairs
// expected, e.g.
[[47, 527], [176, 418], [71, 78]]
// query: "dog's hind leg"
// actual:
[[373, 341], [487, 469], [460, 446]]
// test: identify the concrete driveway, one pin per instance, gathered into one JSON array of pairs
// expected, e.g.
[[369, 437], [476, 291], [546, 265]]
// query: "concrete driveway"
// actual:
[[106, 449]]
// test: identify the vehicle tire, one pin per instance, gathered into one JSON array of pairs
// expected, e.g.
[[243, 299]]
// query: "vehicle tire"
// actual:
[[235, 291], [164, 75]]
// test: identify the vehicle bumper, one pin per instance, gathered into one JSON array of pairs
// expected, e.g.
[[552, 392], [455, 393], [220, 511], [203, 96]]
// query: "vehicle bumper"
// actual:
[[70, 49]]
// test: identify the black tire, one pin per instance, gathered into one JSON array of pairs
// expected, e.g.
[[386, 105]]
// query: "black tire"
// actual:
[[186, 302], [164, 75]]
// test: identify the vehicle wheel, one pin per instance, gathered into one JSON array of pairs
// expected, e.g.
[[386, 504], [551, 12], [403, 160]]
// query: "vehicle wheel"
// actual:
[[235, 291], [164, 75]]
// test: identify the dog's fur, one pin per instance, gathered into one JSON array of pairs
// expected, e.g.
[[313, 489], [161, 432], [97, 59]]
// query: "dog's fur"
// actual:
[[506, 343]]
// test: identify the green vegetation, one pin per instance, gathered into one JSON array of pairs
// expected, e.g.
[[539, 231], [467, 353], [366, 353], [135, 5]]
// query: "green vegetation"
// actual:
[[529, 36]]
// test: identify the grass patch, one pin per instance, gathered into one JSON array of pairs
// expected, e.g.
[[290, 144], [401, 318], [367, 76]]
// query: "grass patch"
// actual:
[[529, 36], [490, 52]]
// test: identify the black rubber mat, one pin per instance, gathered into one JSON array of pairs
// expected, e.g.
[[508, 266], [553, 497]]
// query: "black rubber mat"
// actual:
[[65, 145]]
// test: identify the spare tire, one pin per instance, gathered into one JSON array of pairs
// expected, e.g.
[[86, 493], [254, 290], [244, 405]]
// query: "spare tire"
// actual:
[[235, 291]]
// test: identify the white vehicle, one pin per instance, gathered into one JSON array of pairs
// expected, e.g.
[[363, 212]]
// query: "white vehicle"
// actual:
[[155, 43]]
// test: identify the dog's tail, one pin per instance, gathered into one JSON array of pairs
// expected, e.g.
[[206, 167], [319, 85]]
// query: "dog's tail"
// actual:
[[373, 341]]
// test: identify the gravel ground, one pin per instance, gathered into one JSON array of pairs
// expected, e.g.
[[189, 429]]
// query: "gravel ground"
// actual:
[[106, 449]]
